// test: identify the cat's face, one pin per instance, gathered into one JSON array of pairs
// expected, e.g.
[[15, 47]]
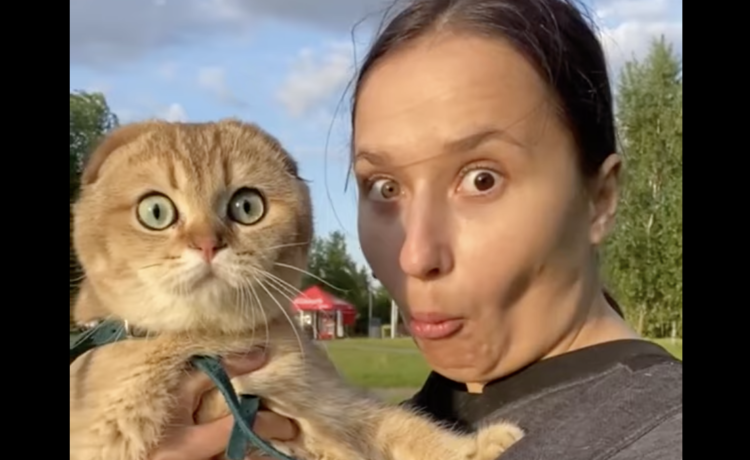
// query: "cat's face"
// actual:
[[184, 226]]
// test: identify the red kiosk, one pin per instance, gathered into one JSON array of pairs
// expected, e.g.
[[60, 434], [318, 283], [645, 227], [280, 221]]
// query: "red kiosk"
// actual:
[[322, 314]]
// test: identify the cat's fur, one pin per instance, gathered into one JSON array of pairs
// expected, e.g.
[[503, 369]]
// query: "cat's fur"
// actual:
[[122, 394]]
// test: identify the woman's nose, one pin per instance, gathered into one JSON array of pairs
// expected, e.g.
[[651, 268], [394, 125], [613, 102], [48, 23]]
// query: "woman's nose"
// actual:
[[426, 252]]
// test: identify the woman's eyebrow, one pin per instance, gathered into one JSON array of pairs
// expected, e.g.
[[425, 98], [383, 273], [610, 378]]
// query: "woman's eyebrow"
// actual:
[[479, 137], [374, 158], [462, 144]]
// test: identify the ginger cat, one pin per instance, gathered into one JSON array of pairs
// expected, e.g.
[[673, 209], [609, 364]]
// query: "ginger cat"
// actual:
[[197, 233]]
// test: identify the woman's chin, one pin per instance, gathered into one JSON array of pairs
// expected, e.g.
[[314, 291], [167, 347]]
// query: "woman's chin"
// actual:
[[460, 358]]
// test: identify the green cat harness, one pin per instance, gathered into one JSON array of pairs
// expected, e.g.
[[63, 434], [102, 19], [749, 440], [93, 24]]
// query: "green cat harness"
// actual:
[[244, 408]]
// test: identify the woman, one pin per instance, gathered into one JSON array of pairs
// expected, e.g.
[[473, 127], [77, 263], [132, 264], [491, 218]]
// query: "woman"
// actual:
[[484, 150]]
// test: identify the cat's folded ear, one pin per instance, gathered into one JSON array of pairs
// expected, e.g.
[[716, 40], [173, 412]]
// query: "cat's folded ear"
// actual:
[[114, 140]]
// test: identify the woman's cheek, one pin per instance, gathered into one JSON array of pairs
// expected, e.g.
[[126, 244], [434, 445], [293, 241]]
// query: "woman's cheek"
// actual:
[[381, 240], [372, 230]]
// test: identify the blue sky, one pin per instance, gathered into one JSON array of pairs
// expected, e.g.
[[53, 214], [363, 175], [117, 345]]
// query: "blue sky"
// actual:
[[283, 64]]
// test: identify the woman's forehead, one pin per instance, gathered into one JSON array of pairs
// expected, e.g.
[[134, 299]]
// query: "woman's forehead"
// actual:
[[437, 91]]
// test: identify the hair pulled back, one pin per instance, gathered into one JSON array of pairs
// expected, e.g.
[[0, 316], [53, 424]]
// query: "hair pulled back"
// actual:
[[553, 35]]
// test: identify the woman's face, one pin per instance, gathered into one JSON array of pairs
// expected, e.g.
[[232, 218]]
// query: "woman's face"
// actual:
[[472, 209]]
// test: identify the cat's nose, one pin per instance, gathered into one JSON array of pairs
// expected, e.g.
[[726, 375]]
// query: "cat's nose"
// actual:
[[208, 246]]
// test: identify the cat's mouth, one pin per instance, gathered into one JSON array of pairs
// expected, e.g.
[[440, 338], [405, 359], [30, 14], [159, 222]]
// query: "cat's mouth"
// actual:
[[206, 277]]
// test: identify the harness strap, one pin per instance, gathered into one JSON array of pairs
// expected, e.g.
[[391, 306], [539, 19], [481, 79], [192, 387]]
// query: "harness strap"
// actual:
[[244, 408], [102, 334]]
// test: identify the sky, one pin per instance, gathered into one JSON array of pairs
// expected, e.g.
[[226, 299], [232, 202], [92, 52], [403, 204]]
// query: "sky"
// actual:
[[284, 64]]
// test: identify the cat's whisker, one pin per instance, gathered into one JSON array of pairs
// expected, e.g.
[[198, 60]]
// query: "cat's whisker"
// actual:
[[286, 315], [288, 245], [156, 264], [249, 306], [291, 292], [289, 287], [80, 278], [238, 299], [259, 307], [305, 272], [278, 288], [278, 285]]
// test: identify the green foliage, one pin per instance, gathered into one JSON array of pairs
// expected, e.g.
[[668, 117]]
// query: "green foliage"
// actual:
[[397, 363], [90, 119], [643, 259], [329, 261]]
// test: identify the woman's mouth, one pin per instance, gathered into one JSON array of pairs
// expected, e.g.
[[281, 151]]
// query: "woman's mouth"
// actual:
[[434, 326]]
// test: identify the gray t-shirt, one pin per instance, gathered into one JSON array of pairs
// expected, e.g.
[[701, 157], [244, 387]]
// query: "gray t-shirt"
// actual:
[[620, 400]]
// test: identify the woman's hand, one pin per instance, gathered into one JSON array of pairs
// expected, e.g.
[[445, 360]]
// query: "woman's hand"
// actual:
[[187, 441]]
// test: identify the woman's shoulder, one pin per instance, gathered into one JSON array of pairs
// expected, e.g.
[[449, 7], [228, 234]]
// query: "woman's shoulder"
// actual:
[[662, 442], [633, 410], [642, 417], [616, 401]]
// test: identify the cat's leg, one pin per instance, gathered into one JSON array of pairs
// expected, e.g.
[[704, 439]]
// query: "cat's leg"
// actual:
[[409, 436], [121, 396], [304, 387], [338, 422]]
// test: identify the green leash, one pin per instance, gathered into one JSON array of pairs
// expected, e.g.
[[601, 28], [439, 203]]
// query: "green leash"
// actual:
[[244, 408]]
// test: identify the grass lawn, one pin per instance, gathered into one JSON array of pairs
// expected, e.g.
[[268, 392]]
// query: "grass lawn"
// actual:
[[674, 347], [375, 363], [396, 363]]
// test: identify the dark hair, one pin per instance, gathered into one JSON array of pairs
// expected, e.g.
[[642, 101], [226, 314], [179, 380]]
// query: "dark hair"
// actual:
[[553, 35], [556, 38]]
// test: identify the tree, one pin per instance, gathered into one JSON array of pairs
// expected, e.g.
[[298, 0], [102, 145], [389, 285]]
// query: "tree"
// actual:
[[330, 262], [643, 259], [90, 119]]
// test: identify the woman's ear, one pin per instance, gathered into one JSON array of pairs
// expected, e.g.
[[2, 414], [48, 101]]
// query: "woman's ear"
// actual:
[[605, 193]]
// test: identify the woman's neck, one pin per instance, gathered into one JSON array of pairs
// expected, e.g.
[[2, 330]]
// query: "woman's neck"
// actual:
[[600, 324]]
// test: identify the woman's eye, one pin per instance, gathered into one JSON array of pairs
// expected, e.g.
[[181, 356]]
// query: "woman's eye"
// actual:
[[479, 181], [384, 190]]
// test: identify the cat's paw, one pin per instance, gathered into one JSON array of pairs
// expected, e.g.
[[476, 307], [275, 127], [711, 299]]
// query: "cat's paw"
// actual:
[[494, 440]]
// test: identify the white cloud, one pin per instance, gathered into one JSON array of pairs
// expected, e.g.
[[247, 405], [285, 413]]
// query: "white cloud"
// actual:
[[633, 39], [106, 33], [99, 87], [175, 112], [146, 109], [125, 115], [638, 10], [316, 76], [626, 29], [168, 70], [213, 80], [629, 26]]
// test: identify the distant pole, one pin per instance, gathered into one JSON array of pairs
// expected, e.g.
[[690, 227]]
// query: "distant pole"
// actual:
[[369, 308], [394, 318]]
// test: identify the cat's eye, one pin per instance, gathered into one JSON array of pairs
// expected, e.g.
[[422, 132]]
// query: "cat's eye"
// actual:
[[156, 212], [247, 206]]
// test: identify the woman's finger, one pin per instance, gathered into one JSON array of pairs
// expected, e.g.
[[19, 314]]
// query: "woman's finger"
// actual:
[[199, 383], [241, 364], [269, 425], [199, 442]]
